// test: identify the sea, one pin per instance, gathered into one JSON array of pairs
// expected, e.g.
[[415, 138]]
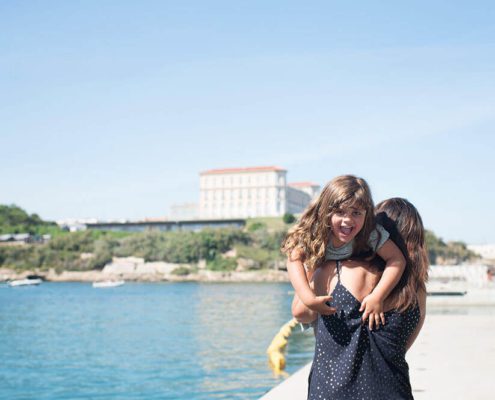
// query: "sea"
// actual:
[[153, 340], [144, 340]]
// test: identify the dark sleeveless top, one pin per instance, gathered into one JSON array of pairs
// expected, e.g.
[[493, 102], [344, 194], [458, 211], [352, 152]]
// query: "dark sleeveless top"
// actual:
[[352, 362]]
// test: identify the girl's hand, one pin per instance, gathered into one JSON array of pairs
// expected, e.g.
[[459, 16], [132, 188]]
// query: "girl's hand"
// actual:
[[372, 305], [319, 304]]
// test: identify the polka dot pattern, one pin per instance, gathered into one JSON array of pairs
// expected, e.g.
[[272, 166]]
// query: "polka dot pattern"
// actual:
[[352, 362]]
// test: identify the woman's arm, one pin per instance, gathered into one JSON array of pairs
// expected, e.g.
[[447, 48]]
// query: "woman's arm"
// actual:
[[422, 310]]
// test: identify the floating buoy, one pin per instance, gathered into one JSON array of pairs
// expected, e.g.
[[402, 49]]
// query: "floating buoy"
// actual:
[[276, 357]]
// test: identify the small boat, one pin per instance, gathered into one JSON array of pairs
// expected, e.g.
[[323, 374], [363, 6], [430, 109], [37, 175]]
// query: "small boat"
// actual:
[[25, 282], [446, 288], [107, 284]]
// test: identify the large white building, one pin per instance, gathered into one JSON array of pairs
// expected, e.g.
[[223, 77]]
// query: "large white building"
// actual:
[[251, 192]]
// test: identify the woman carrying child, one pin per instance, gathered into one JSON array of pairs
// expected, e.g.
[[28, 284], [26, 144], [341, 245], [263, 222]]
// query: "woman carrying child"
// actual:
[[351, 360], [338, 225]]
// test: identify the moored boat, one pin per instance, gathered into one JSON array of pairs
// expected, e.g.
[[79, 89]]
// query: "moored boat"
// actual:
[[25, 282], [107, 284]]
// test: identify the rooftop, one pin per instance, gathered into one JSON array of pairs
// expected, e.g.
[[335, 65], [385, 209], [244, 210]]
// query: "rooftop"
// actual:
[[303, 184], [241, 170]]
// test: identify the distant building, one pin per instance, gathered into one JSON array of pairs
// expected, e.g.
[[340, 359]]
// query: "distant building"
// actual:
[[251, 192], [75, 224], [300, 194], [311, 188], [168, 226], [185, 211], [486, 251], [15, 239]]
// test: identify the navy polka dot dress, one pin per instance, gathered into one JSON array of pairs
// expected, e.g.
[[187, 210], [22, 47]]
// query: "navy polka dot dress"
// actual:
[[352, 362]]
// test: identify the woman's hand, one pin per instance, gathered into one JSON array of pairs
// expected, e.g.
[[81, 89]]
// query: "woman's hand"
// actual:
[[372, 305]]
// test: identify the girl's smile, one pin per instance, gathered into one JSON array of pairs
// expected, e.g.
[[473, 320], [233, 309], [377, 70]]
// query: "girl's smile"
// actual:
[[346, 230]]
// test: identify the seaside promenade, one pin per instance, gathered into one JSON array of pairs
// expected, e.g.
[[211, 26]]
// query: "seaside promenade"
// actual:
[[452, 359]]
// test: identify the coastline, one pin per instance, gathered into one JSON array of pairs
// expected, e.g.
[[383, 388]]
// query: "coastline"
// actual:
[[199, 276]]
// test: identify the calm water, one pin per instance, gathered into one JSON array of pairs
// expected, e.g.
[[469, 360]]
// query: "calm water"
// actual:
[[143, 341]]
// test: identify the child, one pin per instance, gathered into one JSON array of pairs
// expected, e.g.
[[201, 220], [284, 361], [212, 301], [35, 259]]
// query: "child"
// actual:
[[341, 224]]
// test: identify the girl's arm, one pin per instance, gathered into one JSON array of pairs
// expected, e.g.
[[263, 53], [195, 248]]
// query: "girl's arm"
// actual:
[[422, 311], [299, 280], [302, 313], [299, 277], [395, 265], [319, 284]]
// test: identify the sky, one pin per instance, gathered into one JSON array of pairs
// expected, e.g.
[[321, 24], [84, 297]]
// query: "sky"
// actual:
[[110, 109]]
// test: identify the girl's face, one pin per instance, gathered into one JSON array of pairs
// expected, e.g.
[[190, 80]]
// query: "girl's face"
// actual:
[[345, 223]]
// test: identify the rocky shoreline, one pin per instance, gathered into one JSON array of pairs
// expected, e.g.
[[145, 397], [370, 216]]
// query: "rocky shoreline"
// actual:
[[136, 270], [98, 276]]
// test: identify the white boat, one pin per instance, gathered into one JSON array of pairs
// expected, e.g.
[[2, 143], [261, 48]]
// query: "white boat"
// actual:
[[107, 284], [446, 289], [25, 282]]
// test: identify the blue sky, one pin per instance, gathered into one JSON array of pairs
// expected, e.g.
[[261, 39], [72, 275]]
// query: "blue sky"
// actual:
[[110, 109]]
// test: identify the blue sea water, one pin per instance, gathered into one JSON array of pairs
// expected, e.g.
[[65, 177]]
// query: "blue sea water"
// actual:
[[143, 340]]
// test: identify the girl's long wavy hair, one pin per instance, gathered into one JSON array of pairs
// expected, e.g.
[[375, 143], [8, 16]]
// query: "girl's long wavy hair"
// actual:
[[402, 220], [308, 239]]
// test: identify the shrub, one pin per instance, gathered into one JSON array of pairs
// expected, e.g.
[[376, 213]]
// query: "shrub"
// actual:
[[221, 264], [181, 271], [289, 218], [81, 241], [256, 226]]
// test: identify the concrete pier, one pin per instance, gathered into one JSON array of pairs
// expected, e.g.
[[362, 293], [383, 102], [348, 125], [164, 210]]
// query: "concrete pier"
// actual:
[[452, 359]]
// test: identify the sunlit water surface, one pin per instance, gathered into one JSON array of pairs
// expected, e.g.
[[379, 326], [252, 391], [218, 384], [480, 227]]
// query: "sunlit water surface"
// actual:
[[148, 341], [143, 341]]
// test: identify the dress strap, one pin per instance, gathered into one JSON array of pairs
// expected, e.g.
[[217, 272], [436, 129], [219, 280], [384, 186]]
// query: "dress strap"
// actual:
[[338, 266]]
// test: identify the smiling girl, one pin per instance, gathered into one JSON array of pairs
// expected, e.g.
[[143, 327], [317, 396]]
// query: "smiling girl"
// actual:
[[340, 224]]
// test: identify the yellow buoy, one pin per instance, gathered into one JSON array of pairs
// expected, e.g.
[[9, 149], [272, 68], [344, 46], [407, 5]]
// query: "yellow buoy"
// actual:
[[276, 357]]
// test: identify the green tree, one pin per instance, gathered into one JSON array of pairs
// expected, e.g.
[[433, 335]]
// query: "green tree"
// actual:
[[451, 252], [14, 219], [289, 218]]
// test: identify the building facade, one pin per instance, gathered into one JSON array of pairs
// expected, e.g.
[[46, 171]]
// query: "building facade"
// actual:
[[184, 211], [168, 226], [249, 192], [299, 195]]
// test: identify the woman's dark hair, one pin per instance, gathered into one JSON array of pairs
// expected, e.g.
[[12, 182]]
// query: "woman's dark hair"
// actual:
[[405, 226]]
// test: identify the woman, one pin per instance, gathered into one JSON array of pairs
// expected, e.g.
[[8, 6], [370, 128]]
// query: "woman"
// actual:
[[351, 360]]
